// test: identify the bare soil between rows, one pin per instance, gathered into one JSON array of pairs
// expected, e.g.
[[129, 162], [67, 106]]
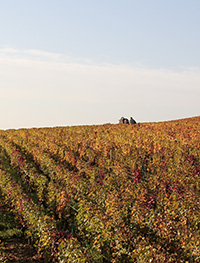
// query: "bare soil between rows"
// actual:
[[18, 249]]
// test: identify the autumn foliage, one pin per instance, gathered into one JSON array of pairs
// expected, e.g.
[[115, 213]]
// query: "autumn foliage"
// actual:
[[106, 193]]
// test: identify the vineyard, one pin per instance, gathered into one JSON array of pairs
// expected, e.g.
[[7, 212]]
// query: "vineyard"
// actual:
[[106, 193]]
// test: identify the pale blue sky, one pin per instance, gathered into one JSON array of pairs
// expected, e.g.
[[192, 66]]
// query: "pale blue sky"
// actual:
[[92, 61]]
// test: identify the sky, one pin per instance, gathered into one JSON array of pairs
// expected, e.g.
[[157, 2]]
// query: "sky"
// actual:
[[65, 63]]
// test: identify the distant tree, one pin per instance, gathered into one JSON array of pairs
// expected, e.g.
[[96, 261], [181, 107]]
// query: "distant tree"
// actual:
[[126, 121], [132, 121], [123, 121]]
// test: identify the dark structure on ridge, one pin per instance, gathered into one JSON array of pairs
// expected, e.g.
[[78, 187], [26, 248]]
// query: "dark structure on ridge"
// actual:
[[126, 121]]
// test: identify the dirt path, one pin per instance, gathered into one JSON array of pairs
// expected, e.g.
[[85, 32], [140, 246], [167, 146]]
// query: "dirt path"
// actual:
[[17, 249]]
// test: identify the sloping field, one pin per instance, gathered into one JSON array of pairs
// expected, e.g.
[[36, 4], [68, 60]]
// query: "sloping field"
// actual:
[[14, 245], [106, 193]]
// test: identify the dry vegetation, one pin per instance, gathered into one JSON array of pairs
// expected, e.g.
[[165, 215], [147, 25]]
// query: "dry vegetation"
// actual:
[[106, 193]]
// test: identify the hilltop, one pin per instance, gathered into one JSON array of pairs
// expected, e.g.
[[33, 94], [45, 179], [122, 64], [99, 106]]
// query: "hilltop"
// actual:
[[106, 193]]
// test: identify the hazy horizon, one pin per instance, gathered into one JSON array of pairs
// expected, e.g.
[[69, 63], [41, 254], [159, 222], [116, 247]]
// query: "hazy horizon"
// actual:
[[82, 63]]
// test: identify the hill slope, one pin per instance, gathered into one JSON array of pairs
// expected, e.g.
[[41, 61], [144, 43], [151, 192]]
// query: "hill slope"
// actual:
[[106, 193]]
